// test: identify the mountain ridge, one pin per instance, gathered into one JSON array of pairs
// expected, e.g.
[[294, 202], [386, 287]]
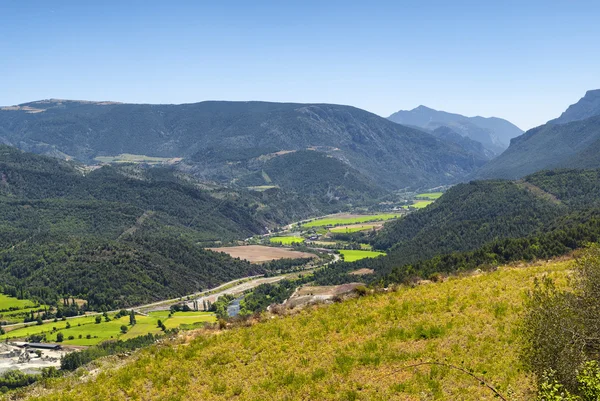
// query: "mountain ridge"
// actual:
[[493, 132], [570, 141], [390, 154]]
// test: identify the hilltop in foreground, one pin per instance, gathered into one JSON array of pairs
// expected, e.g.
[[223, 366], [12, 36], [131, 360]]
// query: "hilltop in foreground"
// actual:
[[358, 349]]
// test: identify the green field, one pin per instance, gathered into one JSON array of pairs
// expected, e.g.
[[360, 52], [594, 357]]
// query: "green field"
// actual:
[[285, 240], [336, 221], [129, 158], [352, 255], [429, 195], [7, 303], [350, 229], [419, 204], [84, 326]]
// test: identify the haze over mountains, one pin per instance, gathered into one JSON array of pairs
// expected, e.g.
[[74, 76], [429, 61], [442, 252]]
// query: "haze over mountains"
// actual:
[[572, 140], [493, 133], [223, 140]]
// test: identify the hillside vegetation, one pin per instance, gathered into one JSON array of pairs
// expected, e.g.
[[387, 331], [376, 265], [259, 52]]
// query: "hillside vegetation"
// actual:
[[218, 139], [114, 236], [358, 349], [470, 215]]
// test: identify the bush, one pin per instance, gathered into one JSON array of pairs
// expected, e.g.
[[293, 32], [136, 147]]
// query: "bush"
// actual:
[[59, 337], [560, 329]]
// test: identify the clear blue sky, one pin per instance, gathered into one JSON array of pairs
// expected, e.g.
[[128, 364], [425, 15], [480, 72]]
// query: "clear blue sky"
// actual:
[[522, 60]]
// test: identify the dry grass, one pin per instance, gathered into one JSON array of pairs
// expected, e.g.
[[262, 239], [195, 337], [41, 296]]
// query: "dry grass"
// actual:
[[347, 351]]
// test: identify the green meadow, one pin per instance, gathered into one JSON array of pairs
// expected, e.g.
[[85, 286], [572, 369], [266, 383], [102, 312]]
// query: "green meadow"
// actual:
[[7, 303], [429, 195], [350, 229], [354, 255], [85, 330], [288, 240], [420, 204], [336, 221]]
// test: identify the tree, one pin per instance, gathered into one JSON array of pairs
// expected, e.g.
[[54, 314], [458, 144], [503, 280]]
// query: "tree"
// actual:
[[124, 329], [98, 319], [59, 337], [132, 318]]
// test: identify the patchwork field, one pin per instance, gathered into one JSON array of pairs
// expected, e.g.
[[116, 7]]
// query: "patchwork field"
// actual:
[[286, 240], [349, 219], [259, 253], [85, 330], [354, 255], [360, 349]]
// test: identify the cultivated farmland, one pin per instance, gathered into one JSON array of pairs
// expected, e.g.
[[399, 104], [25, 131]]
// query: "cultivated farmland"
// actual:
[[349, 219], [259, 253], [286, 240], [354, 255]]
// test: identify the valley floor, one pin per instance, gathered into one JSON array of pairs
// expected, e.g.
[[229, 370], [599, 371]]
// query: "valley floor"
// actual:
[[353, 350]]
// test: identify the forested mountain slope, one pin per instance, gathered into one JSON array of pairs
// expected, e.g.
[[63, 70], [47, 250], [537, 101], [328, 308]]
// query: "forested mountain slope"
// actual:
[[470, 215], [314, 174], [570, 141], [113, 236], [209, 134]]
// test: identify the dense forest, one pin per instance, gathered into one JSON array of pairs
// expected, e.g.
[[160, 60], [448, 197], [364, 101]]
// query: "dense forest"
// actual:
[[115, 236], [314, 175]]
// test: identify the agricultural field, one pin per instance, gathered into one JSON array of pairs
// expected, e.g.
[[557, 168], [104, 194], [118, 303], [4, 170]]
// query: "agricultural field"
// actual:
[[352, 228], [420, 204], [85, 330], [9, 303], [287, 240], [129, 158], [354, 255], [429, 195], [349, 219], [259, 253], [361, 349]]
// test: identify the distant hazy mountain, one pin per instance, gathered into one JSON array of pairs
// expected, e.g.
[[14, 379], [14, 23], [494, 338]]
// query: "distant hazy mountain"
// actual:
[[493, 133], [588, 106], [572, 140], [221, 138]]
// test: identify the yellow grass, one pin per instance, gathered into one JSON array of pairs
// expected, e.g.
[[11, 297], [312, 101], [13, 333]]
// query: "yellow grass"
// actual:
[[352, 350]]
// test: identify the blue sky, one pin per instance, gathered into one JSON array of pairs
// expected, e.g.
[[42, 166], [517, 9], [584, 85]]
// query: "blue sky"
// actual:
[[522, 60]]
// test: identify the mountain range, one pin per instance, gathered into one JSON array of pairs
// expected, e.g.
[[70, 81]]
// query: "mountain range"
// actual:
[[570, 141], [224, 141], [493, 133]]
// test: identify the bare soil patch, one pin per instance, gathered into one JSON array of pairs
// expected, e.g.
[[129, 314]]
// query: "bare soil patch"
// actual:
[[260, 253]]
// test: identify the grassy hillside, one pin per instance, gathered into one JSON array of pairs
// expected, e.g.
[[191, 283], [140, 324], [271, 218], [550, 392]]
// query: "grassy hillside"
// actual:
[[354, 350], [114, 236], [214, 136]]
